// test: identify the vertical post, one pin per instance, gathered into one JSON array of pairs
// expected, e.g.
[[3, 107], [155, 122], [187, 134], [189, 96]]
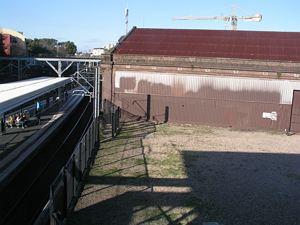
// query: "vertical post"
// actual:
[[2, 124], [148, 107], [100, 92], [83, 159], [65, 181], [118, 119], [166, 114], [111, 80], [77, 72], [113, 124], [80, 162], [116, 122], [104, 106], [291, 113], [59, 68], [74, 175], [100, 125], [96, 94], [86, 151], [51, 200]]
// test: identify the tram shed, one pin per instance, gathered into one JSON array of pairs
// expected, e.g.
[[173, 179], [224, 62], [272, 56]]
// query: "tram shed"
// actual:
[[247, 80]]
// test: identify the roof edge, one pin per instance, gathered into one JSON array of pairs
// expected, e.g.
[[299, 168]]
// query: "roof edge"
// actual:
[[123, 38]]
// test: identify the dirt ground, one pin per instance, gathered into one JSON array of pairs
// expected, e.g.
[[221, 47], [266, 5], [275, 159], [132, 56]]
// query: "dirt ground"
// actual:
[[183, 174]]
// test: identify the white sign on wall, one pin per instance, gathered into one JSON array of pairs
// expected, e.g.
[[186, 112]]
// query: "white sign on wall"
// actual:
[[271, 115]]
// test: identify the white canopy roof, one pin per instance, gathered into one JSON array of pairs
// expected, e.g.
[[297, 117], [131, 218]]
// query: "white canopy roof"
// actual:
[[17, 93]]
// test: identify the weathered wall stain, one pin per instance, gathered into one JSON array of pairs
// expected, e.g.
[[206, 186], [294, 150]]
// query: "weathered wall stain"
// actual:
[[252, 89]]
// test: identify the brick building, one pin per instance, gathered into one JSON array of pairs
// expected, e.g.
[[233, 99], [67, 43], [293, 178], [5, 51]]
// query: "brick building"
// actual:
[[12, 43], [239, 79]]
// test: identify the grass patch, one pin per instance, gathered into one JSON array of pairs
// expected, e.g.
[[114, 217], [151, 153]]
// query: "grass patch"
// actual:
[[113, 143], [153, 215], [139, 161], [100, 171], [170, 165], [182, 215], [185, 129]]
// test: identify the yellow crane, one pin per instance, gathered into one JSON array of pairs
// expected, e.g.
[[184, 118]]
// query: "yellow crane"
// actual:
[[232, 19]]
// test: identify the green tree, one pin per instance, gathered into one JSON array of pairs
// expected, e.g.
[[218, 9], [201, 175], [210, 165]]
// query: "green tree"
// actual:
[[70, 47], [39, 47], [49, 47]]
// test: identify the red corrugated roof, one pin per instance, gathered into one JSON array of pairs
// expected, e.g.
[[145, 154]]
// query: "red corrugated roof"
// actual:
[[213, 43]]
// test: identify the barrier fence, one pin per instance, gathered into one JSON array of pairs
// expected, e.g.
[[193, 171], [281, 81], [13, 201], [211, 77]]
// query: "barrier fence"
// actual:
[[66, 187]]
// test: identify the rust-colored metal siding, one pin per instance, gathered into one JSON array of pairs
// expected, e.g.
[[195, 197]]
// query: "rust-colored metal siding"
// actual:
[[213, 100], [259, 45], [235, 114], [295, 115]]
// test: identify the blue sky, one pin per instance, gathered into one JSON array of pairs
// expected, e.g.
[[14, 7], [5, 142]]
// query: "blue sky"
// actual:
[[94, 23]]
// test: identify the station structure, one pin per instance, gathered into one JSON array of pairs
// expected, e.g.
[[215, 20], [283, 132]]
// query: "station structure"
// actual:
[[17, 95], [241, 79]]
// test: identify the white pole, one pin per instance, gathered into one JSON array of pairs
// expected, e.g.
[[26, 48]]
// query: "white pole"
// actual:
[[126, 20]]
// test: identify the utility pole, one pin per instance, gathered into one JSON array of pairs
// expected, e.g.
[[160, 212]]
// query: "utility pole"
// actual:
[[126, 20]]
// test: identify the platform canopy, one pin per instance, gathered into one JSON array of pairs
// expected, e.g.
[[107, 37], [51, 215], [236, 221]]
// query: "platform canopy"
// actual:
[[17, 93]]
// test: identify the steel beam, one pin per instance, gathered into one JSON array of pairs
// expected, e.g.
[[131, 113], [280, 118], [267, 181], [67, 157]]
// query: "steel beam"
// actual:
[[51, 59]]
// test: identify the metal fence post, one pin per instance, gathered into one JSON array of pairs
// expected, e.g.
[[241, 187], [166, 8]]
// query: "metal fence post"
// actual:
[[113, 124], [74, 175], [148, 107], [118, 119], [65, 182], [86, 151], [2, 124], [83, 157], [166, 114], [90, 141], [51, 205]]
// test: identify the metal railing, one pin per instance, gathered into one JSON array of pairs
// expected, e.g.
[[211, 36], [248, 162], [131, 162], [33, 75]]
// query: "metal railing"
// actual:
[[111, 115], [66, 188]]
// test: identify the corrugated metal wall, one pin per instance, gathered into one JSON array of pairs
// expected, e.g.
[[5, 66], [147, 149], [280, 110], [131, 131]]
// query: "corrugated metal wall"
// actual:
[[235, 114], [215, 87], [214, 100]]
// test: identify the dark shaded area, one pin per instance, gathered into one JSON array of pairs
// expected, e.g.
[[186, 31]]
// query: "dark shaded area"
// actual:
[[226, 187], [247, 188], [27, 192], [235, 192]]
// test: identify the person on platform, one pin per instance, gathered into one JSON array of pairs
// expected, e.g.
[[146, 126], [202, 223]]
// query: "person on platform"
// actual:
[[10, 121]]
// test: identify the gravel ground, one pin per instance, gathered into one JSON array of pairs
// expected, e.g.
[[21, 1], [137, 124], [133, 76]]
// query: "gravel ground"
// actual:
[[183, 174]]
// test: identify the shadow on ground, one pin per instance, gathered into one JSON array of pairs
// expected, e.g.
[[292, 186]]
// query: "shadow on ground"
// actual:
[[227, 187]]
